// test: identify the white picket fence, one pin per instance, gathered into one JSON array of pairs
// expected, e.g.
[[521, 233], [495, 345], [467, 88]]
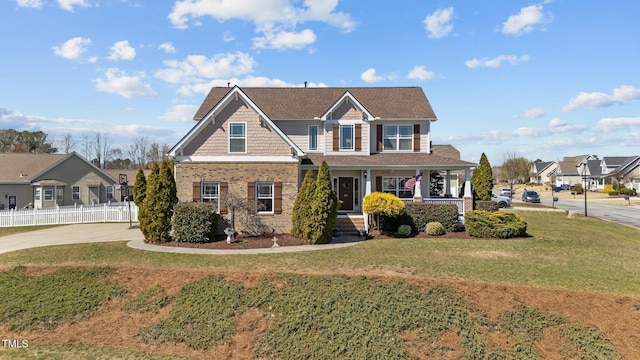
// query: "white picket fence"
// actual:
[[118, 212]]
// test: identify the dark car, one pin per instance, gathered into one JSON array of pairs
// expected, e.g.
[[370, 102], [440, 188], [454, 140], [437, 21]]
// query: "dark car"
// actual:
[[530, 196]]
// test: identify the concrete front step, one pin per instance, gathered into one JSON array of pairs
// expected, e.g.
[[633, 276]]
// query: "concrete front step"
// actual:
[[349, 224]]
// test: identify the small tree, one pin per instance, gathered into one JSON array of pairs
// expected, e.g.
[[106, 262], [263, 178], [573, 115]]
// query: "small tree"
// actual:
[[301, 208], [379, 203], [158, 204], [140, 188], [324, 208], [482, 179]]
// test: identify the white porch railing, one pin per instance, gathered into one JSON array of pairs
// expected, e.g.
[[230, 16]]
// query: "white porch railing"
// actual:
[[120, 212], [457, 201]]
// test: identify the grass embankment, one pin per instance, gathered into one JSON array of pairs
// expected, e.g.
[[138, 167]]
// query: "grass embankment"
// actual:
[[578, 254]]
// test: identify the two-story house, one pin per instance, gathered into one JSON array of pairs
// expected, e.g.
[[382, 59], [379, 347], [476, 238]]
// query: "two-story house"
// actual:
[[259, 142]]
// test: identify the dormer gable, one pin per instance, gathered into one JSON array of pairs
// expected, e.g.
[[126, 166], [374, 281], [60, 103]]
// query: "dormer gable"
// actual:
[[347, 99]]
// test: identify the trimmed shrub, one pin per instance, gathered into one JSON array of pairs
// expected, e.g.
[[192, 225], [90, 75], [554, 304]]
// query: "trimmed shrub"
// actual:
[[194, 222], [608, 188], [404, 230], [628, 191], [499, 224], [424, 213], [391, 223], [487, 205], [301, 210], [435, 229], [382, 204], [482, 179], [577, 188]]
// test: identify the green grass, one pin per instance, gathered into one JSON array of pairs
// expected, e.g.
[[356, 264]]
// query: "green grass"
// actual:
[[579, 254], [78, 352], [47, 301]]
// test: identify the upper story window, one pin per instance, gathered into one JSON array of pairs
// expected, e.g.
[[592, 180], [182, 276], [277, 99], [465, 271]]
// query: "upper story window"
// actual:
[[346, 137], [398, 137], [237, 137], [313, 137]]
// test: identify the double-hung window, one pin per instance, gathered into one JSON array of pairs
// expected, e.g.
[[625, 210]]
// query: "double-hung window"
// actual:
[[210, 191], [75, 192], [346, 137], [59, 194], [398, 137], [237, 137], [313, 137], [36, 195], [48, 194], [110, 195], [264, 197]]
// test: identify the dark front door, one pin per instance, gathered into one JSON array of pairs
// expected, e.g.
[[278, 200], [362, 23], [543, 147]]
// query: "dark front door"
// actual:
[[345, 192], [12, 202]]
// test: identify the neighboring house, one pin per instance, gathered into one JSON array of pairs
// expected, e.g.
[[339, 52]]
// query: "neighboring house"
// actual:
[[258, 143], [543, 172], [572, 169], [130, 176], [47, 180], [627, 173]]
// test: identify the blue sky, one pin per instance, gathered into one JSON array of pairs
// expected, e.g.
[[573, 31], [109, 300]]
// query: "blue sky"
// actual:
[[539, 79]]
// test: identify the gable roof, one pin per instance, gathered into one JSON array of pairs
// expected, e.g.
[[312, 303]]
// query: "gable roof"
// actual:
[[614, 161], [594, 167], [310, 103], [24, 168], [628, 165], [18, 168]]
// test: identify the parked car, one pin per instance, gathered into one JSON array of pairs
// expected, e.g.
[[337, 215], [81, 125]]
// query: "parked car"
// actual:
[[563, 187], [503, 201], [530, 196], [505, 192]]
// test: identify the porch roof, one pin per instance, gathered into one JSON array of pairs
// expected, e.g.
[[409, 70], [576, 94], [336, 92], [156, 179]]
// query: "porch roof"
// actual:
[[387, 161]]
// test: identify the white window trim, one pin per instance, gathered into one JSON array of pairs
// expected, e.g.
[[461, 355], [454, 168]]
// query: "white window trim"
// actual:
[[44, 197], [353, 137], [309, 137], [209, 199], [244, 137], [110, 193], [397, 138], [60, 192], [37, 194], [398, 188], [258, 197]]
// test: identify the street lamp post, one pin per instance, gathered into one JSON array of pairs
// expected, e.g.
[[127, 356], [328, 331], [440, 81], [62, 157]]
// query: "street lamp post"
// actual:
[[584, 188], [124, 184]]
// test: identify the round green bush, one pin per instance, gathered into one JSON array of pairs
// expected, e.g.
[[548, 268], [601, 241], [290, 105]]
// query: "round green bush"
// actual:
[[194, 222], [404, 230], [435, 229]]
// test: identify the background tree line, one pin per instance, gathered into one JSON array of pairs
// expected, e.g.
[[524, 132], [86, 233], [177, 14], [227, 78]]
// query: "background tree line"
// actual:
[[96, 148]]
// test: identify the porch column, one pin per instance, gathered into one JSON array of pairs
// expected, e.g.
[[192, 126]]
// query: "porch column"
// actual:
[[428, 177], [367, 191], [417, 188], [468, 197], [447, 182]]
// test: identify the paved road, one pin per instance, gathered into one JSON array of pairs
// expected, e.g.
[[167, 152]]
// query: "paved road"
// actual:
[[627, 215]]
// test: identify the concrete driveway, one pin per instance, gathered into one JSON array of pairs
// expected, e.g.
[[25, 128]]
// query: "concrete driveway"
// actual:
[[70, 234]]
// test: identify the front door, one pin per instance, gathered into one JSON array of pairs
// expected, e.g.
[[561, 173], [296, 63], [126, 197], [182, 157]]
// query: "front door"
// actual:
[[345, 192], [13, 200]]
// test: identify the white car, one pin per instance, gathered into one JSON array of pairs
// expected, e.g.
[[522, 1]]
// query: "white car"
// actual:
[[503, 201], [505, 192]]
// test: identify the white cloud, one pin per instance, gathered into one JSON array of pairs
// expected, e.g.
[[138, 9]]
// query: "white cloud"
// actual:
[[439, 24], [119, 82], [228, 36], [420, 73], [35, 4], [285, 40], [69, 4], [499, 137], [496, 62], [72, 48], [248, 81], [14, 120], [182, 113], [555, 122], [167, 47], [613, 124], [621, 95], [199, 68], [271, 18], [525, 21], [533, 113], [121, 50], [370, 76]]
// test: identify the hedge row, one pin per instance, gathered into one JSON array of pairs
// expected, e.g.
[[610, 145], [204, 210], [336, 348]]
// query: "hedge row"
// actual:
[[194, 222], [418, 215]]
